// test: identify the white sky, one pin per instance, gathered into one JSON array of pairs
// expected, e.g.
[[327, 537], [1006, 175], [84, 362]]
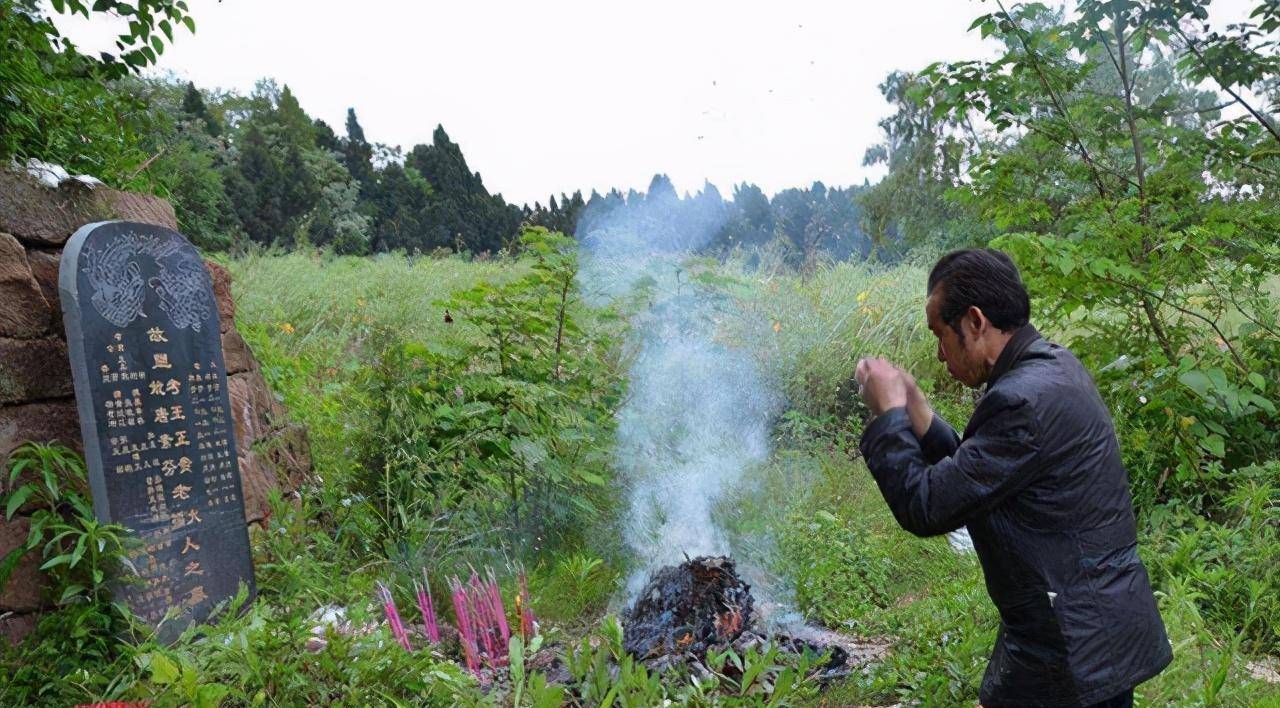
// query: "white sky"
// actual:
[[549, 97]]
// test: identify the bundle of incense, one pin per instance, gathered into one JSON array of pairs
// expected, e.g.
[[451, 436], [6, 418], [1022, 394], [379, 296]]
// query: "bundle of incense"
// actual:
[[393, 617], [478, 604], [466, 626], [499, 611], [528, 623], [427, 608]]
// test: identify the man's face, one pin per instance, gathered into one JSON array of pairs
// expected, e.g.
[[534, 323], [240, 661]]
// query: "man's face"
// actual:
[[965, 362]]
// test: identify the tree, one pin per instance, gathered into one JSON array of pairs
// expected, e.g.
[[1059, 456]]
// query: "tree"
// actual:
[[139, 48], [403, 210], [463, 212], [256, 188], [927, 155], [1097, 174], [357, 154], [194, 107]]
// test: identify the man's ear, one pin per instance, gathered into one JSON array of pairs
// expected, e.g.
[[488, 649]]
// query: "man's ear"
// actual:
[[976, 321]]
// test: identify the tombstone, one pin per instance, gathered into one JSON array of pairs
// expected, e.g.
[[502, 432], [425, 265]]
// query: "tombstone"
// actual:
[[151, 390]]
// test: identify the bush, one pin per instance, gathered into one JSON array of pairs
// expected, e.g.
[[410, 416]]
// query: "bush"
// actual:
[[1229, 566]]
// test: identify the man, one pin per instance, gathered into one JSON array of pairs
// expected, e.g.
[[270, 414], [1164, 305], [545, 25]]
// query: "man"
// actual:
[[1038, 481]]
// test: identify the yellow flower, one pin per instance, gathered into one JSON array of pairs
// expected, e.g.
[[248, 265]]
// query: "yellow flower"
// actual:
[[287, 328], [862, 296], [777, 327]]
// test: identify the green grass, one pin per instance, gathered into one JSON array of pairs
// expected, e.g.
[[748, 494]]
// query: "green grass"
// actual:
[[316, 321]]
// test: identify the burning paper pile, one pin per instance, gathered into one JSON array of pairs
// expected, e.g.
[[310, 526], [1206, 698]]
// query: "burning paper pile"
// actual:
[[687, 611], [688, 607]]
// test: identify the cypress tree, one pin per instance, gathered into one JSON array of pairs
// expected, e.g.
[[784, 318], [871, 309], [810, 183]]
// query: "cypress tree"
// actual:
[[357, 155], [194, 106], [257, 189]]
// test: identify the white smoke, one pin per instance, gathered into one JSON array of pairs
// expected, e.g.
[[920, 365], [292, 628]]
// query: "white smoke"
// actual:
[[698, 412]]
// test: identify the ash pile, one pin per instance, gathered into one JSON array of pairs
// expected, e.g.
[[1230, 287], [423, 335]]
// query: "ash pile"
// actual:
[[702, 605]]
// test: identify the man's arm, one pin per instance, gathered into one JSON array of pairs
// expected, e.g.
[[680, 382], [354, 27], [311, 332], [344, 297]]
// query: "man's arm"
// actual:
[[937, 439], [929, 498]]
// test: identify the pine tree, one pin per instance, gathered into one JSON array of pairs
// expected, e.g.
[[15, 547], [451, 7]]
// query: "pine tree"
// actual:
[[256, 187], [294, 125], [194, 107], [357, 155], [462, 210], [326, 139]]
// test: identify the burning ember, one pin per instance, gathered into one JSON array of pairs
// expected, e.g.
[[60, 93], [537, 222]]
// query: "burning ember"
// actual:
[[687, 608]]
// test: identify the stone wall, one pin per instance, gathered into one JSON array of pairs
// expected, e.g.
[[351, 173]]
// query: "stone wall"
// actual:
[[37, 402]]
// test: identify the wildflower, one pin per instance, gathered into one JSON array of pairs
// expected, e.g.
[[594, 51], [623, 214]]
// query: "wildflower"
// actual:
[[862, 296], [286, 328], [1142, 399], [777, 327]]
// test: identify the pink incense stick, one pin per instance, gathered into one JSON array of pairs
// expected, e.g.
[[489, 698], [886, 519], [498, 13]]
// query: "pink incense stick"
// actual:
[[393, 617], [501, 611], [427, 608], [466, 629]]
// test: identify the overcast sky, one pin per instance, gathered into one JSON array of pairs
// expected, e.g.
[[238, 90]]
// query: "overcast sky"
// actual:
[[548, 97]]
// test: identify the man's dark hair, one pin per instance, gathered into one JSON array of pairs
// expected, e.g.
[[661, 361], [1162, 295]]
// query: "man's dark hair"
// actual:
[[985, 278]]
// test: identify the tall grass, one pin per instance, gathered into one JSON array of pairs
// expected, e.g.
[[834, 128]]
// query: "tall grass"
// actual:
[[811, 331], [327, 305], [317, 321]]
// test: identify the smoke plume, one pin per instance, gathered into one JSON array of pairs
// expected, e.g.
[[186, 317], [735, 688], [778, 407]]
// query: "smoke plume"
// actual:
[[698, 412]]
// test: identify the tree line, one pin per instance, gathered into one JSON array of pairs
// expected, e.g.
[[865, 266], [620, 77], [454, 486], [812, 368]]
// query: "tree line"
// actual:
[[257, 169]]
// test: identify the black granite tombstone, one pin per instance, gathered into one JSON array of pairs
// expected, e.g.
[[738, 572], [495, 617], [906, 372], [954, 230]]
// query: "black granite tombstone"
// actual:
[[151, 388]]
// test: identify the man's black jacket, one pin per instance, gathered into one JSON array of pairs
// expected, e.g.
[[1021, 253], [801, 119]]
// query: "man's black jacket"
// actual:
[[1037, 479]]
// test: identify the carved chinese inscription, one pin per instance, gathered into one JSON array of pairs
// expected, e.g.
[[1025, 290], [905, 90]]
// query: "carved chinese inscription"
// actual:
[[146, 356]]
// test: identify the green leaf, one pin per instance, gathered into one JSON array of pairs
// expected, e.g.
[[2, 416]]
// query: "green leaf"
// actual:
[[751, 672], [1214, 445], [190, 680], [17, 499], [63, 559], [17, 468], [1197, 381], [1258, 382], [79, 550], [210, 695], [163, 671], [1263, 403], [70, 592], [9, 562]]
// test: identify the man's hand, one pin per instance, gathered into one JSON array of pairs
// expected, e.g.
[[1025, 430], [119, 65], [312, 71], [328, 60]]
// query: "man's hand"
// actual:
[[882, 385], [918, 408]]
